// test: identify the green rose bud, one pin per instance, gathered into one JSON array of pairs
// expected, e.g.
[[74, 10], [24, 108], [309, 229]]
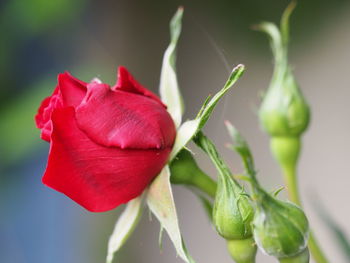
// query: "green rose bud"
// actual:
[[284, 111], [242, 250], [280, 228], [233, 212]]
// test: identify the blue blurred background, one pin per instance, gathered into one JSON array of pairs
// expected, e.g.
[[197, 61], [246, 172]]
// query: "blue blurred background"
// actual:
[[41, 38]]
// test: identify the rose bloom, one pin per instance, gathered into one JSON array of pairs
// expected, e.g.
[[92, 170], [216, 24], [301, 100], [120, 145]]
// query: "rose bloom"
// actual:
[[106, 143]]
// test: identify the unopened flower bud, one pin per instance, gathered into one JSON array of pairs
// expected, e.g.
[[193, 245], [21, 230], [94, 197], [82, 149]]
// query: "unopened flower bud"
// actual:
[[242, 250], [233, 212], [284, 111], [280, 228]]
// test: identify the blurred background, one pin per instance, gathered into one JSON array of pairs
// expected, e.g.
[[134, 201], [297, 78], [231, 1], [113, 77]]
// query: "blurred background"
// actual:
[[41, 38]]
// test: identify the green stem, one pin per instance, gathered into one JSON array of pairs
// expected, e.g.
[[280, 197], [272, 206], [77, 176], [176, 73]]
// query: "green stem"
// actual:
[[205, 183], [291, 182], [185, 171], [316, 250], [286, 150], [290, 178]]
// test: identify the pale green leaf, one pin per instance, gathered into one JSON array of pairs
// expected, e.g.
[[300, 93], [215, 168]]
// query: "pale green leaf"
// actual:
[[161, 202], [277, 191], [124, 227], [210, 104], [275, 39], [285, 22], [169, 88], [160, 238], [241, 146], [184, 134], [160, 199], [189, 128], [279, 37]]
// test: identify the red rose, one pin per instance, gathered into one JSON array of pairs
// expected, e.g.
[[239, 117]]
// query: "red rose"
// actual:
[[106, 143]]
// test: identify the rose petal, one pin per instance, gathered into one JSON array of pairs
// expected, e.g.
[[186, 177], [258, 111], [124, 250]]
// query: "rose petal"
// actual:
[[69, 92], [123, 119], [127, 83], [72, 89], [98, 178], [43, 117]]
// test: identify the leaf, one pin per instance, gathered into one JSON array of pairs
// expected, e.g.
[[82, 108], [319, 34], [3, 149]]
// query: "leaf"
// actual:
[[241, 146], [209, 105], [209, 148], [285, 22], [160, 238], [277, 191], [184, 134], [161, 202], [160, 198], [169, 88], [275, 39], [124, 227], [279, 36], [189, 128]]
